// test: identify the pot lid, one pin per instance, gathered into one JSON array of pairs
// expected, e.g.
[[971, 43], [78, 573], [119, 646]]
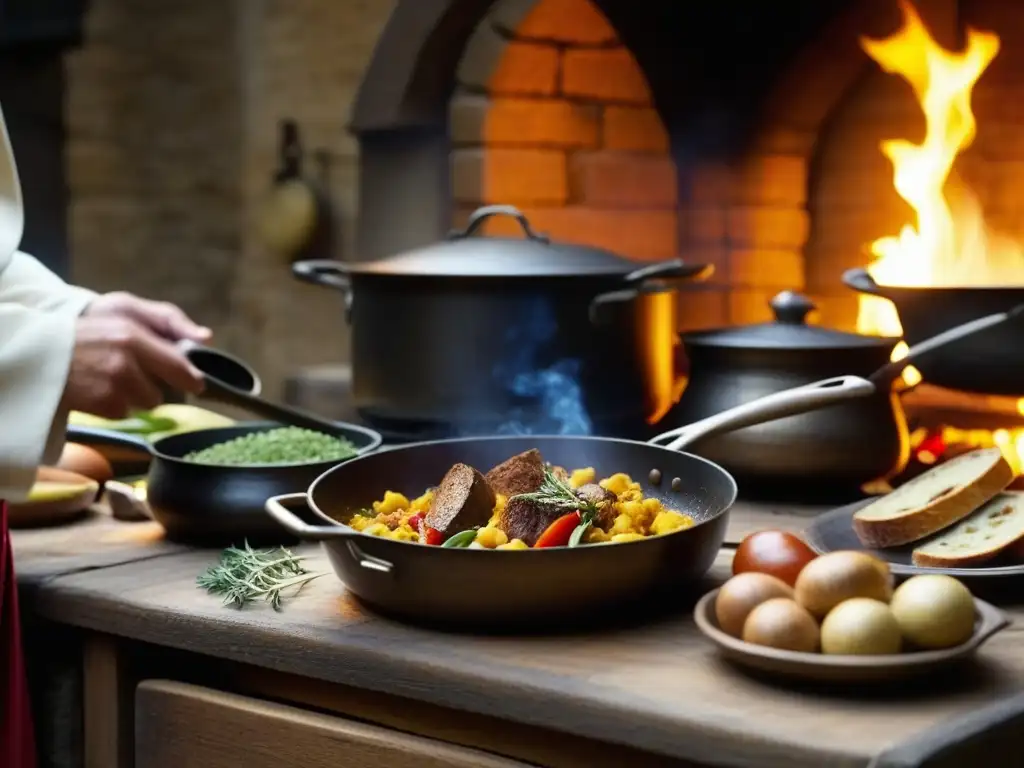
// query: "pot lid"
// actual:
[[532, 255], [789, 330]]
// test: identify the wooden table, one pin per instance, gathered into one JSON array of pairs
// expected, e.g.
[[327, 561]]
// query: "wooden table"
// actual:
[[654, 695]]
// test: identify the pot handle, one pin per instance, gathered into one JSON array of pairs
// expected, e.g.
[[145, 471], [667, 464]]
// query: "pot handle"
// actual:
[[649, 279], [480, 215], [789, 402], [277, 508], [328, 273], [861, 280], [668, 270]]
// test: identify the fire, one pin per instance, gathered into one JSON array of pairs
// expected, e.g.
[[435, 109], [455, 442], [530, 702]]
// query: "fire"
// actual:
[[950, 243], [658, 337]]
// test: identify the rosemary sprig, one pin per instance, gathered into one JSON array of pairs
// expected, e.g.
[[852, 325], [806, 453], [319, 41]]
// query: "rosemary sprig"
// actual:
[[556, 492], [245, 574]]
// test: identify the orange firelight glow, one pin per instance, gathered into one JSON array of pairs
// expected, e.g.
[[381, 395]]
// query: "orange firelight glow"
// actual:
[[950, 243]]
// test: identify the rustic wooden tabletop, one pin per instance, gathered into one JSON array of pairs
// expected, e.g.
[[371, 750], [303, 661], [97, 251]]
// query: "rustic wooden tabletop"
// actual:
[[659, 687]]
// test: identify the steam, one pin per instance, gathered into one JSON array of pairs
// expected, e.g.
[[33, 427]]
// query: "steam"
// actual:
[[553, 393]]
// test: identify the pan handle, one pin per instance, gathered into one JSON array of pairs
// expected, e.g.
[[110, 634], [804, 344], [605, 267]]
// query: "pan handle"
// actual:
[[277, 508], [861, 280], [789, 402], [99, 436]]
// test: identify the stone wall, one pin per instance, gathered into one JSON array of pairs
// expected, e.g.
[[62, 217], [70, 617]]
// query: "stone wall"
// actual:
[[172, 116]]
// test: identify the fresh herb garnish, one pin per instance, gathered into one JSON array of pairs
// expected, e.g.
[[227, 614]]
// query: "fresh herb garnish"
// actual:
[[579, 530], [462, 539], [245, 574], [556, 492]]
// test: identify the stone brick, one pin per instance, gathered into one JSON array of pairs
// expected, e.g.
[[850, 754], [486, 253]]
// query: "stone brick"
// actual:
[[609, 75], [525, 69], [640, 235], [623, 180], [749, 306], [703, 226], [702, 307], [576, 22], [766, 268], [710, 184], [524, 122], [772, 180], [514, 176], [484, 50], [767, 227], [636, 129]]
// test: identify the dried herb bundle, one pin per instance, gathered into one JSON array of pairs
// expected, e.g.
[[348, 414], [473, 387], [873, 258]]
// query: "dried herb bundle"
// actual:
[[246, 574]]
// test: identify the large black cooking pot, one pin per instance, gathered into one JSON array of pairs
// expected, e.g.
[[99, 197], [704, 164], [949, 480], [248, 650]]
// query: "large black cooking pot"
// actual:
[[991, 362], [478, 335]]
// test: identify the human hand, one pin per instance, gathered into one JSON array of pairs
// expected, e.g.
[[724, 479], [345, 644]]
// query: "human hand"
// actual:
[[160, 317], [118, 365]]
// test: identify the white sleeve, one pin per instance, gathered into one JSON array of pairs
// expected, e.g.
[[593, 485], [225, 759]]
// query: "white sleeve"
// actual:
[[27, 282], [35, 355]]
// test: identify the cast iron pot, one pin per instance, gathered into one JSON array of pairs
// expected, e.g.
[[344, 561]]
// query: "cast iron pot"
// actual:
[[536, 588], [834, 449], [991, 362], [476, 334], [212, 505]]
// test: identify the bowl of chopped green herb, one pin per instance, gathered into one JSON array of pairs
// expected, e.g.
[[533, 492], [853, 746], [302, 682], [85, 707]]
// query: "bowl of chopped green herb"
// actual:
[[209, 486]]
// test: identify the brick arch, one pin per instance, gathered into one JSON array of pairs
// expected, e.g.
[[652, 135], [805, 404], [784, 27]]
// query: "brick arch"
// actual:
[[553, 114]]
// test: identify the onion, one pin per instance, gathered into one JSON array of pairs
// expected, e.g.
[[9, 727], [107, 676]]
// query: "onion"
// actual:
[[85, 461], [741, 594], [934, 611], [828, 580], [861, 627], [782, 623]]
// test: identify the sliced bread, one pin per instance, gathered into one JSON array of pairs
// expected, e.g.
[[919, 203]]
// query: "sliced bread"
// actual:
[[933, 501], [994, 528]]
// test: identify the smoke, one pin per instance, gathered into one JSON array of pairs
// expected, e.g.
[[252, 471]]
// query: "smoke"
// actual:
[[551, 394]]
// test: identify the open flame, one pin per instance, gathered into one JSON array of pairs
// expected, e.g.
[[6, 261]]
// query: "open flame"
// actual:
[[950, 244], [658, 338]]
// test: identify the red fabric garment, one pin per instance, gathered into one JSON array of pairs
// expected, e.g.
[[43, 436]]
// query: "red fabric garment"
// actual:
[[17, 740]]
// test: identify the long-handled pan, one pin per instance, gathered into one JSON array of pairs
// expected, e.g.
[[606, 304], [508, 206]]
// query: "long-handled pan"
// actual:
[[216, 505], [485, 589]]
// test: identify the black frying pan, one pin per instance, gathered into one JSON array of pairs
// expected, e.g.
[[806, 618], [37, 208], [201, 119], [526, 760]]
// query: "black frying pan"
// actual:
[[537, 587], [216, 505]]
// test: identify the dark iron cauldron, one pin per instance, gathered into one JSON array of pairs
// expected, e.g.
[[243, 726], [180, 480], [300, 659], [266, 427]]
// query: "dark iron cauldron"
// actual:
[[484, 335]]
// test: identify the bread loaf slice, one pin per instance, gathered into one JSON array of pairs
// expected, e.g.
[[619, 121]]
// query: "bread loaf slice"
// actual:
[[981, 536], [933, 501]]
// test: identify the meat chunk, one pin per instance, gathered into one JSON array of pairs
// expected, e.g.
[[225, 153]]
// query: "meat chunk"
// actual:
[[463, 500], [526, 519], [522, 473], [592, 493]]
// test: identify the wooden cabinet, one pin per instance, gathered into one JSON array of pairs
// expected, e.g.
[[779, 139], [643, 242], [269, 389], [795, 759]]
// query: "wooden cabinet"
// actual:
[[185, 726]]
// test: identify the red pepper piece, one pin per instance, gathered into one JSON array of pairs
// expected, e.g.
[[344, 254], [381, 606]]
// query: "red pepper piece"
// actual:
[[416, 522], [432, 536], [558, 533]]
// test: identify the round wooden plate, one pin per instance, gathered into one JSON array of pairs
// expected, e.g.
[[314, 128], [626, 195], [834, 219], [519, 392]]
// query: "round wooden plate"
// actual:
[[820, 668], [833, 531]]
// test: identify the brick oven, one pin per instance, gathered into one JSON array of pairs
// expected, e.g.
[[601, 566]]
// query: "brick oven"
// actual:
[[728, 133], [735, 133]]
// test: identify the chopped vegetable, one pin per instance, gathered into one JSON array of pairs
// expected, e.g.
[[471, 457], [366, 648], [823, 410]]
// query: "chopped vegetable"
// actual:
[[559, 532], [285, 445], [432, 536], [461, 540]]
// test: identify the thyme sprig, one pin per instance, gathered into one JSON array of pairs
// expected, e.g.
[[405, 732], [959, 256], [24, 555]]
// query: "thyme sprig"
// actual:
[[245, 574]]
